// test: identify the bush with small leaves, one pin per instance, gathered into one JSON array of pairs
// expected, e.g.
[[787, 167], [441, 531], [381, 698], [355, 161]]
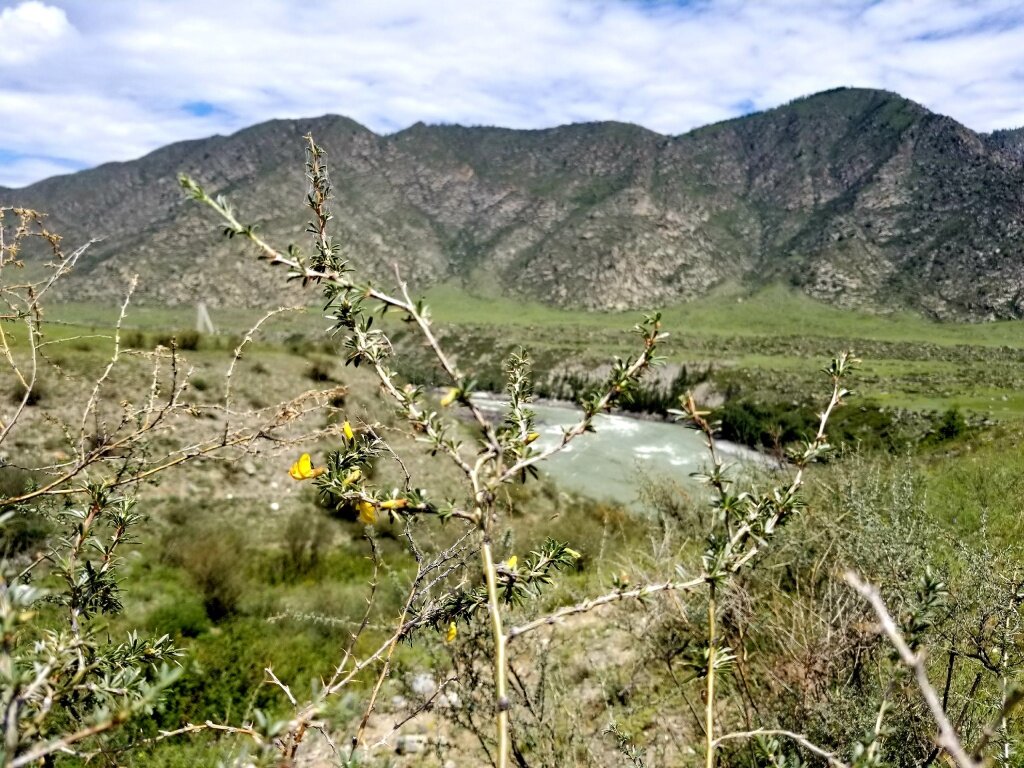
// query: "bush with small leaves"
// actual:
[[75, 676]]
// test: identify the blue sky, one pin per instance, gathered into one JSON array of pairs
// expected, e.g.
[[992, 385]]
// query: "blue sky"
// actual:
[[87, 81]]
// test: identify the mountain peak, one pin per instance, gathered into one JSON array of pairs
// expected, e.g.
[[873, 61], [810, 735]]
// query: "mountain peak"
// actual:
[[859, 196]]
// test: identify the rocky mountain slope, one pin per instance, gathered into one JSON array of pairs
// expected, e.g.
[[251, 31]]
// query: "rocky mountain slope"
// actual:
[[860, 197]]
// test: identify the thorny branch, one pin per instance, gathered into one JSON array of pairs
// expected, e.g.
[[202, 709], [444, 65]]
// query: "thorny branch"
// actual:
[[948, 738]]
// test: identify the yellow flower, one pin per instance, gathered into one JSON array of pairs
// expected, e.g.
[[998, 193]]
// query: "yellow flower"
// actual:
[[347, 429], [451, 397], [367, 514], [531, 437], [352, 476], [303, 469], [451, 634], [394, 503], [512, 562]]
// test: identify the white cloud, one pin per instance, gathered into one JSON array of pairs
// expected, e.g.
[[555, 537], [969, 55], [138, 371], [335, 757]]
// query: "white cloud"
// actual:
[[129, 77], [29, 29], [20, 171]]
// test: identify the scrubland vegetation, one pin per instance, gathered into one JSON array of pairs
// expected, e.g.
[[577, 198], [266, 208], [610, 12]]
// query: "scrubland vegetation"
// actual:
[[171, 597]]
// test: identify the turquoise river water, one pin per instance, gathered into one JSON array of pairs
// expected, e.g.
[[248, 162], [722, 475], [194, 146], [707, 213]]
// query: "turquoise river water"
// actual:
[[610, 463]]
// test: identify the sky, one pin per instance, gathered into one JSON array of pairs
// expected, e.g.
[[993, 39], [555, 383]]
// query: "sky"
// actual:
[[84, 82]]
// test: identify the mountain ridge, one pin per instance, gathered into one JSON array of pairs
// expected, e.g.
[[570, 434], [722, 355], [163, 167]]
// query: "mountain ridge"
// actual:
[[859, 197]]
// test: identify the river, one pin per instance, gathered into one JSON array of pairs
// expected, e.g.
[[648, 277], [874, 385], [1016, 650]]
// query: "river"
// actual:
[[611, 463]]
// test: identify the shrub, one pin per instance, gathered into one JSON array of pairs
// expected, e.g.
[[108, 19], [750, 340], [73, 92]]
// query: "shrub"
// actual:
[[185, 340], [76, 672], [23, 533], [182, 618], [14, 481], [304, 542], [320, 371], [134, 339], [214, 558], [951, 426], [188, 340], [37, 394], [776, 425], [299, 344]]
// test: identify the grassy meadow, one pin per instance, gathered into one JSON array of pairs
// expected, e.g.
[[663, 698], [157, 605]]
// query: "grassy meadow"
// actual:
[[770, 341]]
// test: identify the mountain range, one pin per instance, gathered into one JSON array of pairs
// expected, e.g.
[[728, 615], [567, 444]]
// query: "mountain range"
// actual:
[[859, 197]]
